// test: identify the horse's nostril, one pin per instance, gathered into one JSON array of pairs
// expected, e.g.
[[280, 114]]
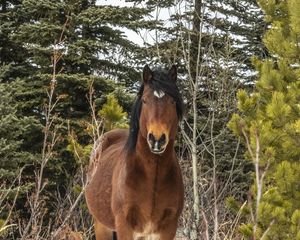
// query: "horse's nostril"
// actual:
[[162, 139], [151, 138]]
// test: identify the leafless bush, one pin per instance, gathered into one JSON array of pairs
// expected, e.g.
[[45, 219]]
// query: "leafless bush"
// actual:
[[9, 206]]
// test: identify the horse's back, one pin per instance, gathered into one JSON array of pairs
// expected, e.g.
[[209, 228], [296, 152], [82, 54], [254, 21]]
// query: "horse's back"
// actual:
[[99, 189], [114, 136]]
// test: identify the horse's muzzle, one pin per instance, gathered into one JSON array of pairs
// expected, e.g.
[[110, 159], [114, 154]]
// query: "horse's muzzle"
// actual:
[[157, 146]]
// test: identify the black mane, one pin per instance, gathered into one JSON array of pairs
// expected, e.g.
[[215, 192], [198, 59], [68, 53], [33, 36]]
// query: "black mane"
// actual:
[[160, 81]]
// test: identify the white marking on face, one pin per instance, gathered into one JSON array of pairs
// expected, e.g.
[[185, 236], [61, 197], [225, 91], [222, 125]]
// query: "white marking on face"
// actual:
[[159, 94], [156, 146]]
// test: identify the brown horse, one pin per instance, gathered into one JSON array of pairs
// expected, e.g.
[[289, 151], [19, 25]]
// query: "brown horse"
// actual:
[[137, 188]]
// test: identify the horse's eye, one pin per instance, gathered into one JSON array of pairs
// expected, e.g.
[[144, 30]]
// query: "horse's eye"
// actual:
[[143, 100]]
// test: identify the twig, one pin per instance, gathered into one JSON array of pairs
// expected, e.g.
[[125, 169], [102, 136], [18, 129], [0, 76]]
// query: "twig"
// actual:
[[47, 145]]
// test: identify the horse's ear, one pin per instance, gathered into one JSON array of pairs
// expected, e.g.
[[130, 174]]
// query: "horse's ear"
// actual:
[[147, 74], [173, 73]]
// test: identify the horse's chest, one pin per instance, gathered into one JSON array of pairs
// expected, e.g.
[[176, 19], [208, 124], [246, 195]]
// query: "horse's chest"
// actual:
[[151, 203], [154, 197], [148, 214]]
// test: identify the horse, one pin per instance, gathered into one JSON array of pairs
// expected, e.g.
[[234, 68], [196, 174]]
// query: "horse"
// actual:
[[136, 191]]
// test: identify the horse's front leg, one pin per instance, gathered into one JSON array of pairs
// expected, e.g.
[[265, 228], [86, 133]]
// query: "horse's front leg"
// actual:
[[102, 232], [168, 231], [123, 229]]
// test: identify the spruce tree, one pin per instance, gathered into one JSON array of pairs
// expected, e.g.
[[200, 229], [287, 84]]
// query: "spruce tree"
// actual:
[[113, 114], [92, 50], [15, 160], [243, 24], [269, 121]]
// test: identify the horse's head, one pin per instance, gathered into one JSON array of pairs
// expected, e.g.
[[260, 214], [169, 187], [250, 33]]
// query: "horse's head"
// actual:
[[161, 108]]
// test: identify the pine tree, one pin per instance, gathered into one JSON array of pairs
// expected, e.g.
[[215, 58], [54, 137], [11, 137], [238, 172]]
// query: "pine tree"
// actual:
[[242, 22], [86, 38], [113, 114], [15, 160], [13, 132], [269, 122]]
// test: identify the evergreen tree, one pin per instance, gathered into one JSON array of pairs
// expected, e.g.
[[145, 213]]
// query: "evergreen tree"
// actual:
[[113, 114], [85, 36], [269, 123], [14, 132], [243, 24], [226, 26]]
